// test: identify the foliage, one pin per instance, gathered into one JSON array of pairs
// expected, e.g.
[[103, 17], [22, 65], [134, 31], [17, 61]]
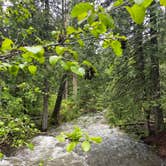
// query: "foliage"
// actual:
[[69, 110], [76, 137], [34, 48], [16, 131]]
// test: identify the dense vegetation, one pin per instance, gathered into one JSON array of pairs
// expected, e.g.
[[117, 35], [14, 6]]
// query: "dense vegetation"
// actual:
[[60, 59]]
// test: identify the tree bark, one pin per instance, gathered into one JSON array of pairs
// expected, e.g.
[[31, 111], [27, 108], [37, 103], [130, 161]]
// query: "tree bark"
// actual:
[[56, 111], [75, 86], [45, 105], [66, 89], [155, 73]]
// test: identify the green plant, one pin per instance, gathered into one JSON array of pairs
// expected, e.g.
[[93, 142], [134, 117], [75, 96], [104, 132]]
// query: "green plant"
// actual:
[[77, 136], [69, 110], [14, 131]]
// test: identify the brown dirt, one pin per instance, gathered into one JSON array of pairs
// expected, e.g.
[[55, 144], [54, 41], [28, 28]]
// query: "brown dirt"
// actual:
[[159, 141]]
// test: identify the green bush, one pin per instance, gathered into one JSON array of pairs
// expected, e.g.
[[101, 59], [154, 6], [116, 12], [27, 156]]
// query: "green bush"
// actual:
[[14, 131], [69, 110]]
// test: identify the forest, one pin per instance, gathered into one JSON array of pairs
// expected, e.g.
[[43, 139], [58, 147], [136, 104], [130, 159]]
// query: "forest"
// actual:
[[61, 60]]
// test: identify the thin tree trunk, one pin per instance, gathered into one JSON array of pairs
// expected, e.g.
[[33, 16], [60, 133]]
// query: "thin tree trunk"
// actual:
[[75, 86], [66, 89], [45, 105], [155, 73], [56, 111]]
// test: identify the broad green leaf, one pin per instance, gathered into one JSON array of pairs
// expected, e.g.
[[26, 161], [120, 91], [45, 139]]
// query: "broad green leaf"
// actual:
[[81, 43], [7, 45], [137, 13], [81, 18], [41, 60], [81, 10], [35, 49], [87, 63], [98, 28], [64, 65], [71, 30], [96, 139], [116, 46], [106, 43], [118, 3], [32, 69], [92, 17], [54, 59], [74, 53], [146, 3], [78, 70], [61, 137], [106, 19], [14, 70], [75, 135], [27, 56], [1, 156], [1, 123], [60, 50], [71, 146], [163, 2], [86, 146]]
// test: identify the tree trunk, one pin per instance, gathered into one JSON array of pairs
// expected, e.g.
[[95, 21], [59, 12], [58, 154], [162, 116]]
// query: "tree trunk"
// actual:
[[155, 73], [66, 89], [140, 77], [56, 111], [75, 86], [45, 105]]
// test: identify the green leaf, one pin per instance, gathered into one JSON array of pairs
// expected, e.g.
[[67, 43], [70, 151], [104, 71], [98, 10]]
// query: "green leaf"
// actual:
[[146, 3], [78, 70], [27, 56], [137, 13], [7, 45], [81, 43], [61, 137], [35, 49], [32, 69], [60, 50], [54, 59], [14, 70], [71, 146], [1, 156], [30, 146], [87, 63], [86, 146], [75, 135], [92, 17], [118, 3], [74, 53], [1, 123], [96, 139], [163, 2], [98, 28], [81, 10], [106, 19], [71, 30], [64, 65], [116, 46]]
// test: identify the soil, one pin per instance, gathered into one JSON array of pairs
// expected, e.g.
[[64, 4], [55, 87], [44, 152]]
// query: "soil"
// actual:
[[159, 141]]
